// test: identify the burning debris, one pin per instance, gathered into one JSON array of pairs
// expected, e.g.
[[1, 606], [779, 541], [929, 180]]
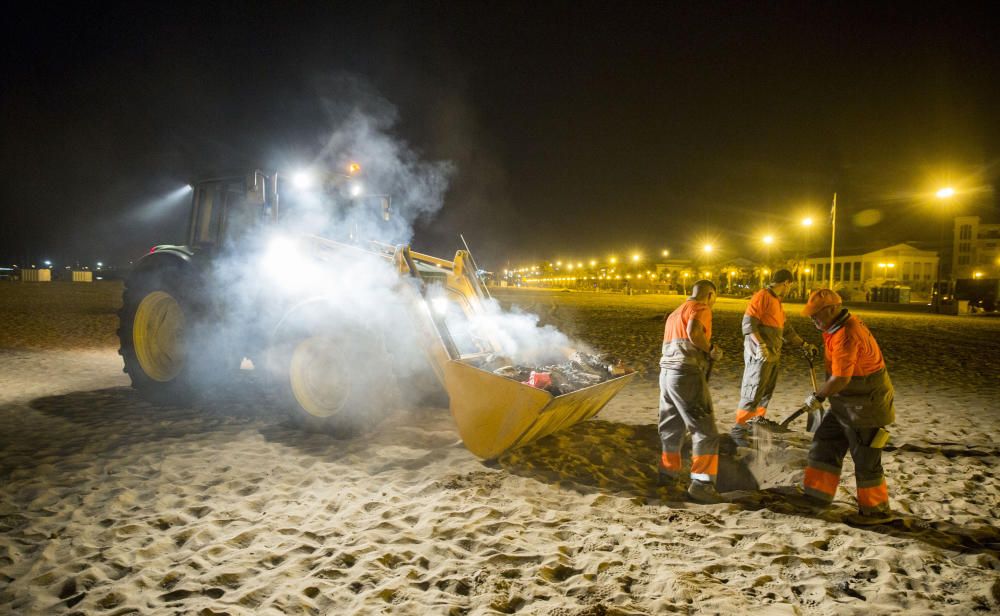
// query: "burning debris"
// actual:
[[579, 371]]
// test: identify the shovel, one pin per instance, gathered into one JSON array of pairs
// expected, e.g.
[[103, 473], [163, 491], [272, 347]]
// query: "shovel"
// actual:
[[814, 416]]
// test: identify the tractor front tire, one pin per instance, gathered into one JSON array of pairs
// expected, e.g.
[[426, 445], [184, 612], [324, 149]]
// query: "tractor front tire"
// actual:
[[332, 383]]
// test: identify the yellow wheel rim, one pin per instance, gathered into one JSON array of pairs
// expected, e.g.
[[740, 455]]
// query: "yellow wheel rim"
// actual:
[[319, 377], [156, 336]]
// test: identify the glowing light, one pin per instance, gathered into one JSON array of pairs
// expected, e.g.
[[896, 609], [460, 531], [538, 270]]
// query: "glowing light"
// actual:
[[353, 168], [807, 222], [47, 262], [356, 189], [707, 248], [768, 239], [569, 266], [593, 262], [558, 263], [977, 275], [440, 305], [302, 179], [579, 263], [614, 260], [946, 192], [665, 253], [807, 270], [635, 258]]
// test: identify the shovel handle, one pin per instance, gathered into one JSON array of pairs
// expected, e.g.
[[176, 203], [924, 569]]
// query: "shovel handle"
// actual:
[[812, 373], [791, 418]]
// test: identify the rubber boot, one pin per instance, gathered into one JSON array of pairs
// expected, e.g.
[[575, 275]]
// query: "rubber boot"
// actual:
[[870, 519], [704, 492]]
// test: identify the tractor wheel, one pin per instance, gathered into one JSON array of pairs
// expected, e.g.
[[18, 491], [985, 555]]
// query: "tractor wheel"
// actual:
[[332, 383], [155, 316]]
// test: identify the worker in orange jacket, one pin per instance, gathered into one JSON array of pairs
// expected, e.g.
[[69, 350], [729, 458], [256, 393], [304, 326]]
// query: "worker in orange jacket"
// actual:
[[861, 405], [765, 332], [685, 401]]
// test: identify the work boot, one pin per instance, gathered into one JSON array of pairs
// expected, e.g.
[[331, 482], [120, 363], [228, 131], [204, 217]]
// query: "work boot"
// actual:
[[739, 434], [797, 497], [704, 492], [667, 478], [870, 519]]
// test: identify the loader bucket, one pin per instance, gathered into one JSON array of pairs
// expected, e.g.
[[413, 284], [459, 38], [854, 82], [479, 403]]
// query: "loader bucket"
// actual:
[[495, 414]]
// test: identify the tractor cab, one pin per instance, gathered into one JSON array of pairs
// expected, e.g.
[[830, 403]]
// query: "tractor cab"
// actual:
[[226, 209]]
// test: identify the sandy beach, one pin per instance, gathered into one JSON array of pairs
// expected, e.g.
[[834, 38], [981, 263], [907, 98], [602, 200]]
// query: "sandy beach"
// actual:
[[111, 505]]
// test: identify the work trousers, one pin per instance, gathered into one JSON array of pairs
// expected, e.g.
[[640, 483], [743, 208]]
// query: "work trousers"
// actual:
[[831, 442], [686, 405], [759, 380]]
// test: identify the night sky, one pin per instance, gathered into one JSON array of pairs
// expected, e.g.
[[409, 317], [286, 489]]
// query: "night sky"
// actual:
[[576, 129]]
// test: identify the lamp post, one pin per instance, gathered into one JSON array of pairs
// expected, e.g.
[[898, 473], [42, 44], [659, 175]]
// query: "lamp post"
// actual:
[[943, 194], [806, 226]]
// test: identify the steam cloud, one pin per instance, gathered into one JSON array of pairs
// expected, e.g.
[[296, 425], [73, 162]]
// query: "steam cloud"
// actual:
[[353, 299]]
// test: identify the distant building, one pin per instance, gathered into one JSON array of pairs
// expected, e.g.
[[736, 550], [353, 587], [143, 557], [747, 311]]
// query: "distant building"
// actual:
[[975, 249], [855, 272]]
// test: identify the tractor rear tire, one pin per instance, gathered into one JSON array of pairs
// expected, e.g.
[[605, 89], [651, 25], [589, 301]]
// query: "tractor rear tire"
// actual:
[[156, 312]]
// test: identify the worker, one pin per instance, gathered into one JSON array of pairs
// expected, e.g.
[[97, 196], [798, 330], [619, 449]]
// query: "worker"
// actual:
[[861, 405], [765, 331], [685, 402]]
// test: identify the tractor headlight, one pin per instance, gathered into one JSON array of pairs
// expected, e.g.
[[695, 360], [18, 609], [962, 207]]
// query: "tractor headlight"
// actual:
[[286, 264]]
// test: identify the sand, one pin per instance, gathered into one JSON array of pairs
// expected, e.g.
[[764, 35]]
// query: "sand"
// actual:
[[112, 505]]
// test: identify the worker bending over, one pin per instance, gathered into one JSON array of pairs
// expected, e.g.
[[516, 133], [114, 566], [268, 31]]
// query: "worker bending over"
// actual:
[[685, 402], [861, 405], [765, 331]]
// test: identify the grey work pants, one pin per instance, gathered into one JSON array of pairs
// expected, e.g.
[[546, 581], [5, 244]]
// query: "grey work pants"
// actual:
[[759, 380], [686, 405], [831, 443]]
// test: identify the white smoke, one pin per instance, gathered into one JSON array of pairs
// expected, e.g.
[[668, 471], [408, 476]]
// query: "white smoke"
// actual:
[[315, 275]]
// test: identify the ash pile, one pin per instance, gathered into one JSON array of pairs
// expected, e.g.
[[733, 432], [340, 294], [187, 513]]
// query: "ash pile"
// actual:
[[579, 371]]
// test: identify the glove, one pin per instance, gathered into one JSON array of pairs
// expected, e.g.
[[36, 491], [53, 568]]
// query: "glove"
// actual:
[[715, 353], [815, 402], [764, 353], [811, 350]]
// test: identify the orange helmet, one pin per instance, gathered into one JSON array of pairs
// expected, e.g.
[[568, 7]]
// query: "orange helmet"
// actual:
[[820, 299]]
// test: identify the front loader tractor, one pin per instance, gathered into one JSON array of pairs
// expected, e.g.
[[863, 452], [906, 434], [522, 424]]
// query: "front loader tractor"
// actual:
[[281, 274]]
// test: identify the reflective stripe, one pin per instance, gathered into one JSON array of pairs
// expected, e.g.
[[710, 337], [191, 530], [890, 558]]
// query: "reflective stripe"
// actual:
[[821, 481], [671, 460], [743, 416], [703, 477], [874, 497], [707, 464]]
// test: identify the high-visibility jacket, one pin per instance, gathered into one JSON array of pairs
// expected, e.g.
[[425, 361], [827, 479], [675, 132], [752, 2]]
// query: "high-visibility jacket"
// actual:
[[766, 309], [850, 350], [678, 351]]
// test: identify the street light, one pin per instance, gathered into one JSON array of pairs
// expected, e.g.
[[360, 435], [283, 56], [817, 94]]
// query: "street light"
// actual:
[[807, 222], [665, 253], [707, 248], [768, 239], [946, 192]]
